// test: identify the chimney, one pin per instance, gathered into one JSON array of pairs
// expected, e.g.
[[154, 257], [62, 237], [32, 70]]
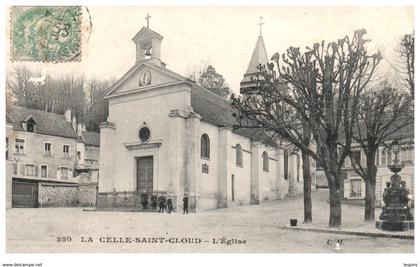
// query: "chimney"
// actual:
[[79, 129], [67, 115], [74, 124]]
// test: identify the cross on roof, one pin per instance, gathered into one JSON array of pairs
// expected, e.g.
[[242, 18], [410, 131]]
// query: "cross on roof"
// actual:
[[147, 18], [261, 23]]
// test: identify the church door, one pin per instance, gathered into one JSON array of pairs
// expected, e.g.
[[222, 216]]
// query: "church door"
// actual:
[[145, 175]]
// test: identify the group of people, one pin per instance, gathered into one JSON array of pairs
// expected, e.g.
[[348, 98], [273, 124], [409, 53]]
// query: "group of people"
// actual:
[[164, 203]]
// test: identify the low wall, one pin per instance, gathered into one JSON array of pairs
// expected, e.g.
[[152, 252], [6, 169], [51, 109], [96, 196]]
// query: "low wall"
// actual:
[[58, 195]]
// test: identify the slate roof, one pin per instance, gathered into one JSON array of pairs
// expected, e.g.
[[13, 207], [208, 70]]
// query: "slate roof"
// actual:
[[219, 112], [259, 57], [91, 138], [46, 122]]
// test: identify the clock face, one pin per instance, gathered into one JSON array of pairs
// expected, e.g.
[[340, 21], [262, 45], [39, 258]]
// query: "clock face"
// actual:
[[145, 77]]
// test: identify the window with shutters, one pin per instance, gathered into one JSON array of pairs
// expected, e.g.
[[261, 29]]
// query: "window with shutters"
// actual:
[[44, 171], [15, 168], [19, 146], [47, 149], [64, 173], [355, 188], [66, 151], [31, 170], [407, 155]]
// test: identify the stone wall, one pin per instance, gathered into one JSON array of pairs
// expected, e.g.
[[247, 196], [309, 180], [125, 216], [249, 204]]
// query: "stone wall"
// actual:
[[58, 195]]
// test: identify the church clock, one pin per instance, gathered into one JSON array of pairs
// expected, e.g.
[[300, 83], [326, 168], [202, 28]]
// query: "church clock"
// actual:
[[145, 77]]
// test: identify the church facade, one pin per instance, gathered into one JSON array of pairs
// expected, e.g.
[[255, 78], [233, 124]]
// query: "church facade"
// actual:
[[166, 135]]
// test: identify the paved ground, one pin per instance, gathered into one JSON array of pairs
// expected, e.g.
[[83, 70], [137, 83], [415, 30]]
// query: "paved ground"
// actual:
[[38, 230]]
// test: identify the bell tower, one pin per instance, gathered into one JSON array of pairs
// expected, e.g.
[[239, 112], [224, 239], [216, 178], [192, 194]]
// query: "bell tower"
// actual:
[[148, 44], [259, 57]]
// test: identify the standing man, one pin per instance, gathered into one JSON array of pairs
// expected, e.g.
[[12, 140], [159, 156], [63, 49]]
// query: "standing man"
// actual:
[[144, 199], [162, 202], [169, 204], [185, 200]]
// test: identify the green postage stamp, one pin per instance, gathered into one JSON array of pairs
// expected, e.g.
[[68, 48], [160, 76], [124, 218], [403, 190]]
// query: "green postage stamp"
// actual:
[[46, 33]]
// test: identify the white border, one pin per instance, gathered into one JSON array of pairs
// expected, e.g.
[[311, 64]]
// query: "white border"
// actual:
[[201, 259]]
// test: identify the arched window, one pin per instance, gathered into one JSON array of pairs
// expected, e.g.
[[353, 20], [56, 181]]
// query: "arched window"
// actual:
[[265, 161], [205, 146], [238, 155]]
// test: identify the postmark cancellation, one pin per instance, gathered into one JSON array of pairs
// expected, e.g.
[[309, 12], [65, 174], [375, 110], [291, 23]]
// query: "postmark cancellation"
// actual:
[[46, 33]]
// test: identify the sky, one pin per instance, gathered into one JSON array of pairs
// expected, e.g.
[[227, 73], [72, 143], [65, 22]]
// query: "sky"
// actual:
[[221, 36]]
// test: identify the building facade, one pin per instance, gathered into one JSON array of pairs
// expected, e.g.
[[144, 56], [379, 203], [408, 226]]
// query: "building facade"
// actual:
[[166, 135], [354, 186], [42, 155]]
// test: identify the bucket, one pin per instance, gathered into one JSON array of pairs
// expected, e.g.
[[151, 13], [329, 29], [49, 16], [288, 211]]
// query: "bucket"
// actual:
[[293, 222]]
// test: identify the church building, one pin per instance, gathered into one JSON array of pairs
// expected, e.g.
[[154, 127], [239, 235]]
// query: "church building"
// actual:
[[167, 135]]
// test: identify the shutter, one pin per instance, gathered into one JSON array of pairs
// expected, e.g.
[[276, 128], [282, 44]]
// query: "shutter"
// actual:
[[58, 176], [347, 189], [363, 157], [69, 174], [36, 171], [363, 189], [22, 169]]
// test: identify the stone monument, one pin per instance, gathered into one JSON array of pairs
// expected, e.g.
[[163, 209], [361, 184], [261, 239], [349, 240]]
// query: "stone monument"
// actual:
[[396, 215]]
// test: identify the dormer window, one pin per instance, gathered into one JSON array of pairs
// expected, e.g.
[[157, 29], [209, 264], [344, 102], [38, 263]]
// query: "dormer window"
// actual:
[[29, 124], [30, 127]]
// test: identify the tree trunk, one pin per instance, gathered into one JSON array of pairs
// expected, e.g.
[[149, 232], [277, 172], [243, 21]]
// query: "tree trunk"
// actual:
[[307, 181], [335, 200], [370, 182], [370, 201], [335, 208]]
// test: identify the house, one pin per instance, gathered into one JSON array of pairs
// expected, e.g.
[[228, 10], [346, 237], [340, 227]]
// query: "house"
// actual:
[[167, 135], [42, 157], [354, 186]]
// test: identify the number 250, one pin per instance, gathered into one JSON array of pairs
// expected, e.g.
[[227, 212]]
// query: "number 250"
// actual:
[[63, 239]]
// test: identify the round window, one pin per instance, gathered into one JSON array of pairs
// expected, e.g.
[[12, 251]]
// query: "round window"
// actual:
[[144, 134]]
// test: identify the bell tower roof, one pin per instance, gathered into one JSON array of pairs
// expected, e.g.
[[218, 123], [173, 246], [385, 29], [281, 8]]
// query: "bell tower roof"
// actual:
[[259, 57], [146, 33], [148, 44]]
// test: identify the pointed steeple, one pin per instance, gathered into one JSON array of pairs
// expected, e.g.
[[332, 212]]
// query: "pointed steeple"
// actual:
[[259, 56]]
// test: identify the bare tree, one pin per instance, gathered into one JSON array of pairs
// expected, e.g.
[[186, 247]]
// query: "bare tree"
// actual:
[[264, 108], [86, 99], [97, 107], [325, 86], [70, 94], [21, 89], [405, 65], [382, 114]]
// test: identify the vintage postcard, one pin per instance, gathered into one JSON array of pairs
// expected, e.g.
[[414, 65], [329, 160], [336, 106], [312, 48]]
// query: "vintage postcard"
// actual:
[[209, 129]]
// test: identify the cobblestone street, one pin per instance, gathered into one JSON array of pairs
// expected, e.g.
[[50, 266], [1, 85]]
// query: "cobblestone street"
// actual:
[[237, 229]]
